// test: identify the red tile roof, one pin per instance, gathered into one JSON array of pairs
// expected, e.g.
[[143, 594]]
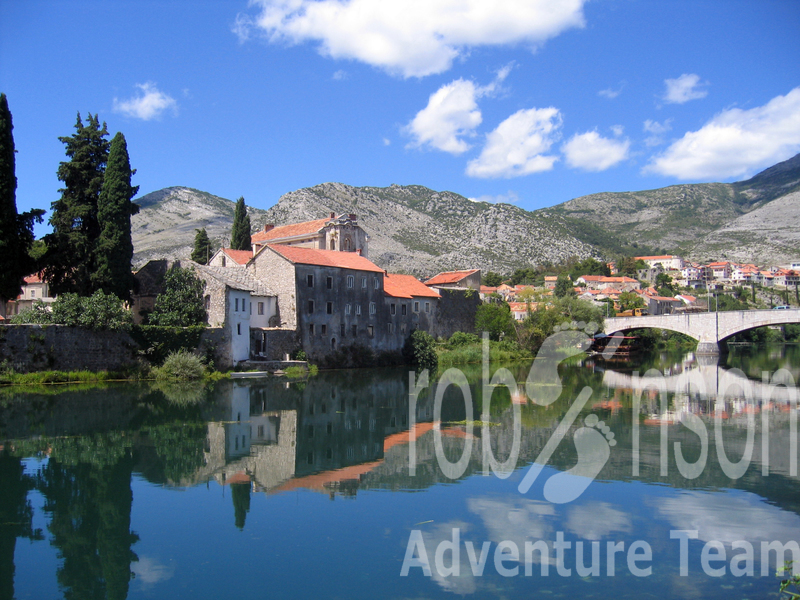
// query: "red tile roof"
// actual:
[[325, 258], [239, 256], [35, 278], [285, 231], [450, 277], [406, 286]]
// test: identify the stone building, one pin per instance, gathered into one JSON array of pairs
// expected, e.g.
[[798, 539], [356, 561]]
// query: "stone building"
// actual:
[[457, 279], [342, 234], [34, 289]]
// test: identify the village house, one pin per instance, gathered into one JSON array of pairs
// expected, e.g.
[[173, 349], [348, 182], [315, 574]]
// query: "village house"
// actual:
[[34, 289], [458, 279], [601, 282], [342, 233], [669, 262], [720, 270]]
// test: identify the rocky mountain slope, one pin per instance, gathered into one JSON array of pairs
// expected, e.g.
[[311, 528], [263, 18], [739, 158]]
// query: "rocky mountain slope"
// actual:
[[167, 219], [417, 230]]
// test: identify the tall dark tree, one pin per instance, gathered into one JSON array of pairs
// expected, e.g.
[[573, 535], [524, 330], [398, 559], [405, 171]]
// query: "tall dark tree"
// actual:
[[70, 257], [240, 233], [202, 247], [114, 249], [563, 287], [16, 231]]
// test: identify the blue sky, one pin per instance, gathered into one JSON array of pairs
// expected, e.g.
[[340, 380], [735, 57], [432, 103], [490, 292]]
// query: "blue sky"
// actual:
[[527, 101]]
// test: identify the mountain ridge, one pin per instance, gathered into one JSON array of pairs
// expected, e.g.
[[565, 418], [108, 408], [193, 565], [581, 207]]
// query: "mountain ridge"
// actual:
[[421, 231]]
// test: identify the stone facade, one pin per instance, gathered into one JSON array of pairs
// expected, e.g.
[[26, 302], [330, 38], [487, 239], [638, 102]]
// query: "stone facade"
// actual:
[[456, 312]]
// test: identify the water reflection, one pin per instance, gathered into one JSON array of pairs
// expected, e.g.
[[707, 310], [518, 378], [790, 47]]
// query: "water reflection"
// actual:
[[344, 434]]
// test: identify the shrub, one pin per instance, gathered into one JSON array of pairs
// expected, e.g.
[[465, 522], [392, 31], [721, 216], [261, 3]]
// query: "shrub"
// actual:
[[182, 366], [459, 338], [98, 311], [420, 350]]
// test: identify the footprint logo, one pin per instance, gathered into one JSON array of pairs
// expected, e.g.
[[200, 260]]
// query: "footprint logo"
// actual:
[[543, 385], [593, 442]]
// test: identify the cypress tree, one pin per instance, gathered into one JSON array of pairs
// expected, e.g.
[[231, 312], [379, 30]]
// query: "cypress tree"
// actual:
[[202, 247], [16, 231], [114, 248], [69, 261], [240, 232]]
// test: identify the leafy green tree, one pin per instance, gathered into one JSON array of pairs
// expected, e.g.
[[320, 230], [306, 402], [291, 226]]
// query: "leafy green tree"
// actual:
[[114, 249], [496, 319], [630, 300], [181, 303], [420, 350], [16, 231], [492, 279], [98, 311], [665, 285], [563, 287], [240, 233], [628, 265], [202, 247], [589, 266], [70, 257], [528, 275]]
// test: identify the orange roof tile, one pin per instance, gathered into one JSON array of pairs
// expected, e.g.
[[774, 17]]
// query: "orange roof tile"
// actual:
[[450, 277], [662, 256], [325, 258], [239, 256], [285, 231], [406, 286]]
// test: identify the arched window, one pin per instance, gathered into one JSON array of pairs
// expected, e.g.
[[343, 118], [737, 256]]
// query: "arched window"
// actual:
[[333, 343], [333, 244], [346, 246]]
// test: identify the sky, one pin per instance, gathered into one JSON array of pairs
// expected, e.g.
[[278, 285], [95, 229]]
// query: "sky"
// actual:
[[531, 102]]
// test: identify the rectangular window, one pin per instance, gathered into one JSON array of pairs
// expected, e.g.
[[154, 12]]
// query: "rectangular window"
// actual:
[[310, 280], [341, 329], [261, 308], [355, 330], [403, 309], [358, 309], [427, 307], [347, 309], [324, 329], [376, 282], [364, 282], [310, 306], [329, 308], [392, 309], [329, 283], [351, 281], [238, 329], [416, 306], [370, 331], [402, 327], [372, 308], [311, 328], [236, 305], [33, 293]]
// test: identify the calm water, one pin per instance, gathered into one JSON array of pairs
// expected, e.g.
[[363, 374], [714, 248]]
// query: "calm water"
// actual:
[[268, 489]]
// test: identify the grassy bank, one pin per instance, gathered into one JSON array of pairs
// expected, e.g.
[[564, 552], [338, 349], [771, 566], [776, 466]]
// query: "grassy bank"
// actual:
[[450, 354]]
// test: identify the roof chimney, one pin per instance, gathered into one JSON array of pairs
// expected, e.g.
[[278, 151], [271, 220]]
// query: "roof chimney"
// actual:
[[352, 216], [333, 215], [269, 227], [358, 251]]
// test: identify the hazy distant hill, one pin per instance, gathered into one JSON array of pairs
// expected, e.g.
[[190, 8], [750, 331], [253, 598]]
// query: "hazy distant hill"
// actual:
[[421, 231]]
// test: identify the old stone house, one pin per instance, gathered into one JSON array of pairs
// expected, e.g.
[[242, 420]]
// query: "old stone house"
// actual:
[[457, 279], [34, 289], [342, 233]]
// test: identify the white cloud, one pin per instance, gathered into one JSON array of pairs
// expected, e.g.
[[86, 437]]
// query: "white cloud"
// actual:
[[684, 88], [735, 142], [340, 75], [511, 197], [451, 114], [592, 152], [387, 142], [611, 93], [518, 145], [148, 104], [617, 130], [412, 38], [657, 130]]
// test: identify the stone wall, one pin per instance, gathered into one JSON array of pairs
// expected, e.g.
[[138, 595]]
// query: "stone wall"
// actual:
[[457, 309], [269, 343], [28, 348]]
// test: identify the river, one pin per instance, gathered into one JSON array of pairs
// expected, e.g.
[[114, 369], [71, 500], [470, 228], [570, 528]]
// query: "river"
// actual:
[[344, 486]]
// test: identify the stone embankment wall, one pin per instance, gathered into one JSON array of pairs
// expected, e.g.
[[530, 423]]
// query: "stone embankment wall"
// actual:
[[28, 348]]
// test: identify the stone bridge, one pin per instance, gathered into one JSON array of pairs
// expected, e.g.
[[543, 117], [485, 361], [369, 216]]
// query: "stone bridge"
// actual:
[[710, 329]]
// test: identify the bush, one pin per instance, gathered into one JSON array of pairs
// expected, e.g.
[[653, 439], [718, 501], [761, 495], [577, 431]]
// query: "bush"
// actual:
[[181, 366], [98, 311], [181, 303], [420, 350], [459, 338]]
